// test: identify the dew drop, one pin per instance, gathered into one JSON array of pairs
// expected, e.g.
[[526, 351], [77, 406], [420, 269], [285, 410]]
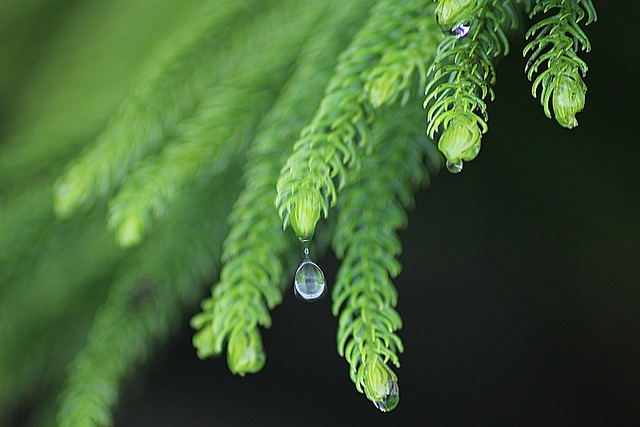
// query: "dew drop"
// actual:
[[454, 167], [304, 240], [461, 30], [309, 283], [391, 399]]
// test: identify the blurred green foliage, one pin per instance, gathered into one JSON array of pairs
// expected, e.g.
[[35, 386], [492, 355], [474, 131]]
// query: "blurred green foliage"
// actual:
[[150, 116]]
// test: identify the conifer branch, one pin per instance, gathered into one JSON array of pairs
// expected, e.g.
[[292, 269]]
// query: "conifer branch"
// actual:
[[220, 127], [36, 344], [145, 301], [556, 41], [72, 64], [365, 239], [250, 85], [461, 78], [255, 251], [331, 143], [394, 76], [455, 15], [169, 89]]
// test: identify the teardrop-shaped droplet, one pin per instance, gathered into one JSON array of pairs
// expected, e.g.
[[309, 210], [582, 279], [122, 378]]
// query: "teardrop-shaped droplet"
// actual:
[[454, 167], [461, 30], [391, 399], [309, 282]]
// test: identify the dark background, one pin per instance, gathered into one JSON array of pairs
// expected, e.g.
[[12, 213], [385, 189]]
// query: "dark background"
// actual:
[[520, 289]]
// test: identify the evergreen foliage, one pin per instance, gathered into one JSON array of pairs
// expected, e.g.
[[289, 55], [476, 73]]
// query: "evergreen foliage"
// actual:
[[172, 87], [70, 296], [206, 140], [462, 76], [556, 41], [250, 116], [244, 296], [331, 143], [364, 296], [144, 302], [452, 15]]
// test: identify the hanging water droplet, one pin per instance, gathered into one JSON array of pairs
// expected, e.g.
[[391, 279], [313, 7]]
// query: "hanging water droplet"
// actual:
[[304, 240], [391, 399], [454, 167], [461, 30], [309, 282]]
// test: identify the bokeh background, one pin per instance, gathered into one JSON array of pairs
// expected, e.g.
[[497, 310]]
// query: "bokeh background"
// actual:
[[521, 285]]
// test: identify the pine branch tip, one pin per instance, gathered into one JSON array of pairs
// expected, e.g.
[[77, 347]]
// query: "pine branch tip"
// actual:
[[380, 384], [245, 352], [556, 40]]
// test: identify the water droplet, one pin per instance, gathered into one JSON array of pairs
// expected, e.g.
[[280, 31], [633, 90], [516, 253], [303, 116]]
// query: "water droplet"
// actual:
[[461, 30], [391, 399], [454, 167], [309, 283], [304, 240]]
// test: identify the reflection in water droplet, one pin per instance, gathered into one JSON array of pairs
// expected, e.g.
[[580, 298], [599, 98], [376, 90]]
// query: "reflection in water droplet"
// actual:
[[454, 167], [391, 399], [461, 31], [309, 283]]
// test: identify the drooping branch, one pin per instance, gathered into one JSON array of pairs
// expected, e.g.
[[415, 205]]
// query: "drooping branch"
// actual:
[[339, 132], [462, 77], [255, 250], [555, 43], [365, 239]]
